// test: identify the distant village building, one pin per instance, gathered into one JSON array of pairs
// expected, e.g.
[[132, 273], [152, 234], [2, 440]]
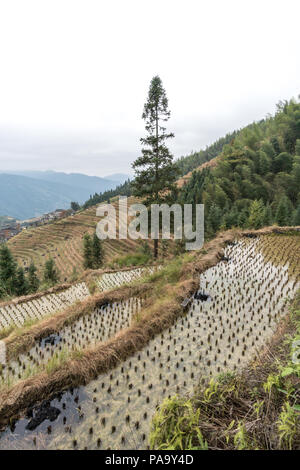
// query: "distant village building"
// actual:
[[45, 218], [13, 229], [9, 231]]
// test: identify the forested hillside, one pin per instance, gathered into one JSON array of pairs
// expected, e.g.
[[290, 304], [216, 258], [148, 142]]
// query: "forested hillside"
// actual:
[[195, 159], [257, 179], [184, 165]]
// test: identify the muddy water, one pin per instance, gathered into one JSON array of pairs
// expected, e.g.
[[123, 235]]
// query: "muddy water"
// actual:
[[247, 298]]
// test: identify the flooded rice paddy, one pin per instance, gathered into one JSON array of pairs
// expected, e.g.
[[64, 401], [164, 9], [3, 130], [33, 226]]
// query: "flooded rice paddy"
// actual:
[[246, 297], [37, 309], [88, 330]]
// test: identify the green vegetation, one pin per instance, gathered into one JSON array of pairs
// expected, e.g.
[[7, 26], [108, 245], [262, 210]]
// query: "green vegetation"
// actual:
[[93, 253], [132, 259], [195, 159], [33, 280], [51, 274], [121, 190], [257, 180], [174, 426], [8, 271], [13, 280]]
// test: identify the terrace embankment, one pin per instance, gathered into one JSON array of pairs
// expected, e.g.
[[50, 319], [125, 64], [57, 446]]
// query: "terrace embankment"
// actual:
[[21, 341]]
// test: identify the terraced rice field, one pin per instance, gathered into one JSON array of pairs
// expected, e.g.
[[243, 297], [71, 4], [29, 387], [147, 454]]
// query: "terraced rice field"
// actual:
[[117, 279], [100, 325], [36, 309], [62, 240], [234, 313]]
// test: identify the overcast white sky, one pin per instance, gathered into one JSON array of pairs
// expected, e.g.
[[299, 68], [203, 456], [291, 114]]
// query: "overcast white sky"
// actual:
[[75, 74]]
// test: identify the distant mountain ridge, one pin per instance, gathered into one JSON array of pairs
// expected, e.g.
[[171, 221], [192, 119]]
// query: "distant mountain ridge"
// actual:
[[118, 177], [31, 193]]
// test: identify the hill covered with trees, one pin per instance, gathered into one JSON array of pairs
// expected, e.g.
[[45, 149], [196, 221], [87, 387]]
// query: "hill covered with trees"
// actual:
[[257, 179]]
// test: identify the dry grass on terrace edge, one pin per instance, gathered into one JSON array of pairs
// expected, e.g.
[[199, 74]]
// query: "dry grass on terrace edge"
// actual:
[[37, 295], [19, 342], [106, 356], [272, 229], [90, 274]]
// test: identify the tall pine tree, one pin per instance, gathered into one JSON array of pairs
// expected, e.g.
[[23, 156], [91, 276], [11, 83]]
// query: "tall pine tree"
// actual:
[[87, 252], [97, 251], [155, 172], [8, 269]]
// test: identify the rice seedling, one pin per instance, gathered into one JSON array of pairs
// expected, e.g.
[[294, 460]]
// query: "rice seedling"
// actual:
[[96, 327], [19, 314]]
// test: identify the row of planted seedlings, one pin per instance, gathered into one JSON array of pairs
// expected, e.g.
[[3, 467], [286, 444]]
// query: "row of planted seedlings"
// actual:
[[95, 327], [235, 311], [116, 279], [19, 313]]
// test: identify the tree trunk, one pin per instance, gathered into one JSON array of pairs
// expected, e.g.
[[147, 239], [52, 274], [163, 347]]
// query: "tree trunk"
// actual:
[[156, 175]]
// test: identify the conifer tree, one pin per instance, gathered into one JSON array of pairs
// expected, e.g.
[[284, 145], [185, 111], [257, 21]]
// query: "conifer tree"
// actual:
[[33, 280], [20, 285], [257, 214], [296, 219], [51, 274], [8, 268], [283, 212], [155, 172], [268, 218], [215, 217], [87, 252], [97, 252]]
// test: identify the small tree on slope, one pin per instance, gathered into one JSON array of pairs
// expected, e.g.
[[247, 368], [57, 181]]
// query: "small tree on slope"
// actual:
[[21, 285], [87, 252], [51, 275], [97, 250], [8, 269], [33, 280]]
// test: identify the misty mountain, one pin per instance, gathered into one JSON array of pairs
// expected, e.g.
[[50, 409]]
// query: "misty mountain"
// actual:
[[92, 183], [119, 178], [36, 193]]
